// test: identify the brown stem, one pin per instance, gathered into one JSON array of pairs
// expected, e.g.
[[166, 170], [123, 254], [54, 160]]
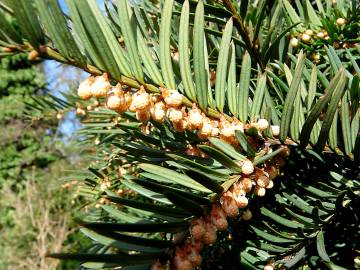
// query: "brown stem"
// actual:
[[244, 34], [49, 53]]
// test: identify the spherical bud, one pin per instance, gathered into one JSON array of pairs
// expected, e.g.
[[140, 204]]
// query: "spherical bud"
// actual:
[[270, 185], [316, 57], [218, 218], [227, 129], [340, 21], [263, 124], [197, 229], [175, 115], [215, 132], [320, 35], [294, 42], [80, 112], [269, 267], [247, 215], [158, 266], [140, 100], [84, 90], [263, 181], [336, 45], [210, 234], [175, 56], [237, 125], [238, 190], [272, 171], [114, 102], [275, 130], [195, 118], [143, 115], [241, 201], [215, 123], [59, 116], [193, 151], [158, 112], [260, 191], [193, 255], [172, 98], [100, 86], [116, 91], [180, 126], [221, 224], [305, 38], [229, 205], [217, 212], [105, 185], [247, 184], [206, 129], [247, 167], [309, 32]]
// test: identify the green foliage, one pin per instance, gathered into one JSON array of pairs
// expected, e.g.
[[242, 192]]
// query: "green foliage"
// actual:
[[231, 60], [35, 212], [306, 227], [19, 80]]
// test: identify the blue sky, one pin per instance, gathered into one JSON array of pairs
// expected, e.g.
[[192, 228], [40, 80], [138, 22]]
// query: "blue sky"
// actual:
[[56, 72]]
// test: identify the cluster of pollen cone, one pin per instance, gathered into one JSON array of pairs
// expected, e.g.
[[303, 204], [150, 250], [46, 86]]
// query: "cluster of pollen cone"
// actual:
[[234, 202], [167, 105]]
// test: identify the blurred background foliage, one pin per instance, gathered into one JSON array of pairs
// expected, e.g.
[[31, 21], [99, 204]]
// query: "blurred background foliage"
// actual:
[[36, 206]]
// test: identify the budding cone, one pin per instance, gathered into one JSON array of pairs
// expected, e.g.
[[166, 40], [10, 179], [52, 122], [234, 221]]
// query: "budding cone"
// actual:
[[84, 90], [294, 42], [275, 130], [229, 205], [172, 98], [195, 118], [241, 201], [100, 86], [143, 115], [247, 215], [260, 191], [218, 218], [158, 112], [247, 184], [197, 229], [340, 21], [247, 167], [140, 100], [210, 234], [263, 124]]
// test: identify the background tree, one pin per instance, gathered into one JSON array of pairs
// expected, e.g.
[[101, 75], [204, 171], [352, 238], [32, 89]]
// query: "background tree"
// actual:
[[36, 210]]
